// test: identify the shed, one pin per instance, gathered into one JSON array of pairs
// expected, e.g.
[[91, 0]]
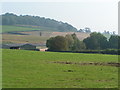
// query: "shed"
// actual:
[[44, 49], [19, 46]]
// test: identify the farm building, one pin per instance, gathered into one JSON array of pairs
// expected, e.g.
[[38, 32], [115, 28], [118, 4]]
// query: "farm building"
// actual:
[[44, 49], [19, 46]]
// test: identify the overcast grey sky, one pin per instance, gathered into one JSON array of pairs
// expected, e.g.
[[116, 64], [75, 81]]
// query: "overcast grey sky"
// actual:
[[98, 15]]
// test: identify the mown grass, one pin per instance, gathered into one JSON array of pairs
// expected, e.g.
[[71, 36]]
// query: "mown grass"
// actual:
[[33, 69]]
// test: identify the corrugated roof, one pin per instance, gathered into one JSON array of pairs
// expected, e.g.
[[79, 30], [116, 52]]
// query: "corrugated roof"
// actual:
[[18, 44], [21, 44]]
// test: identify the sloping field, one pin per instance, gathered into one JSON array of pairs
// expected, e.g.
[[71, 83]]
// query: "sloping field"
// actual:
[[34, 69], [31, 34], [34, 36], [80, 35], [24, 38], [8, 28]]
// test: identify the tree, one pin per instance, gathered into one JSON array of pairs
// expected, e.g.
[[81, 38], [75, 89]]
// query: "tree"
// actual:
[[58, 43], [40, 33], [70, 41], [96, 41], [114, 41], [77, 45], [118, 42], [87, 30], [113, 32], [81, 30]]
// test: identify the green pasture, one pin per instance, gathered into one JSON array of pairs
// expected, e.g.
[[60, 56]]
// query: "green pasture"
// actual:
[[10, 28], [34, 69]]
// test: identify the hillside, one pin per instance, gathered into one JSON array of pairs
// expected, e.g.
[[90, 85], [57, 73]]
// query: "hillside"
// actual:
[[28, 21], [34, 36], [58, 70], [12, 28]]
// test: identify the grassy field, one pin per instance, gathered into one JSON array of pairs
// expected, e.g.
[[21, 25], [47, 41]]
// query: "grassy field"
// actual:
[[34, 36], [34, 69], [24, 38], [8, 28]]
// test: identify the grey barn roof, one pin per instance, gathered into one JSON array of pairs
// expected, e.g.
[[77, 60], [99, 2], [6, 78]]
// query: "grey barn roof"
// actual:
[[21, 44], [17, 45]]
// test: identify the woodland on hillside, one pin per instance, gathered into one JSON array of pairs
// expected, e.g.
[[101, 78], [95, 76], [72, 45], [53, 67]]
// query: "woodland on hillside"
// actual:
[[12, 19]]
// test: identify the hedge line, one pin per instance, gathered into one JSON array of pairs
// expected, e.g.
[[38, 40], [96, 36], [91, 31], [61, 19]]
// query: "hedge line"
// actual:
[[107, 51]]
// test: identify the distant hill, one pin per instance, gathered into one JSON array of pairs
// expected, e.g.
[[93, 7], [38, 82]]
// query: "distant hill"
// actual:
[[27, 20]]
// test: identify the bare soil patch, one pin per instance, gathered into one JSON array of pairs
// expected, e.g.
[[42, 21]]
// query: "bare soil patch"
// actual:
[[92, 63]]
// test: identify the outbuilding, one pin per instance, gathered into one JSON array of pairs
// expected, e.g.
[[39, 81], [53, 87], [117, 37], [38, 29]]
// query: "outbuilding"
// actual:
[[19, 46]]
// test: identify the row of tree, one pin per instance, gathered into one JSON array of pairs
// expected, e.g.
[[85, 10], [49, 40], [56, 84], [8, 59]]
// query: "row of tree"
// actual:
[[96, 41], [99, 41], [12, 19], [86, 30], [108, 32]]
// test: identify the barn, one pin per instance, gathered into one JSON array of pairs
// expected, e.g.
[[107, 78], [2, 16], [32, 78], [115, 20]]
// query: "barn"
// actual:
[[19, 46]]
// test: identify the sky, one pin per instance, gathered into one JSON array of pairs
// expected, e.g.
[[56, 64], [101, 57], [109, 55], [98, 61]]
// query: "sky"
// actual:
[[98, 15]]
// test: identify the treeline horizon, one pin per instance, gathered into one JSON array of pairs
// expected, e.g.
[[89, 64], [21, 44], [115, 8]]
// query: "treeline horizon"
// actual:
[[96, 41], [13, 19], [22, 20]]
